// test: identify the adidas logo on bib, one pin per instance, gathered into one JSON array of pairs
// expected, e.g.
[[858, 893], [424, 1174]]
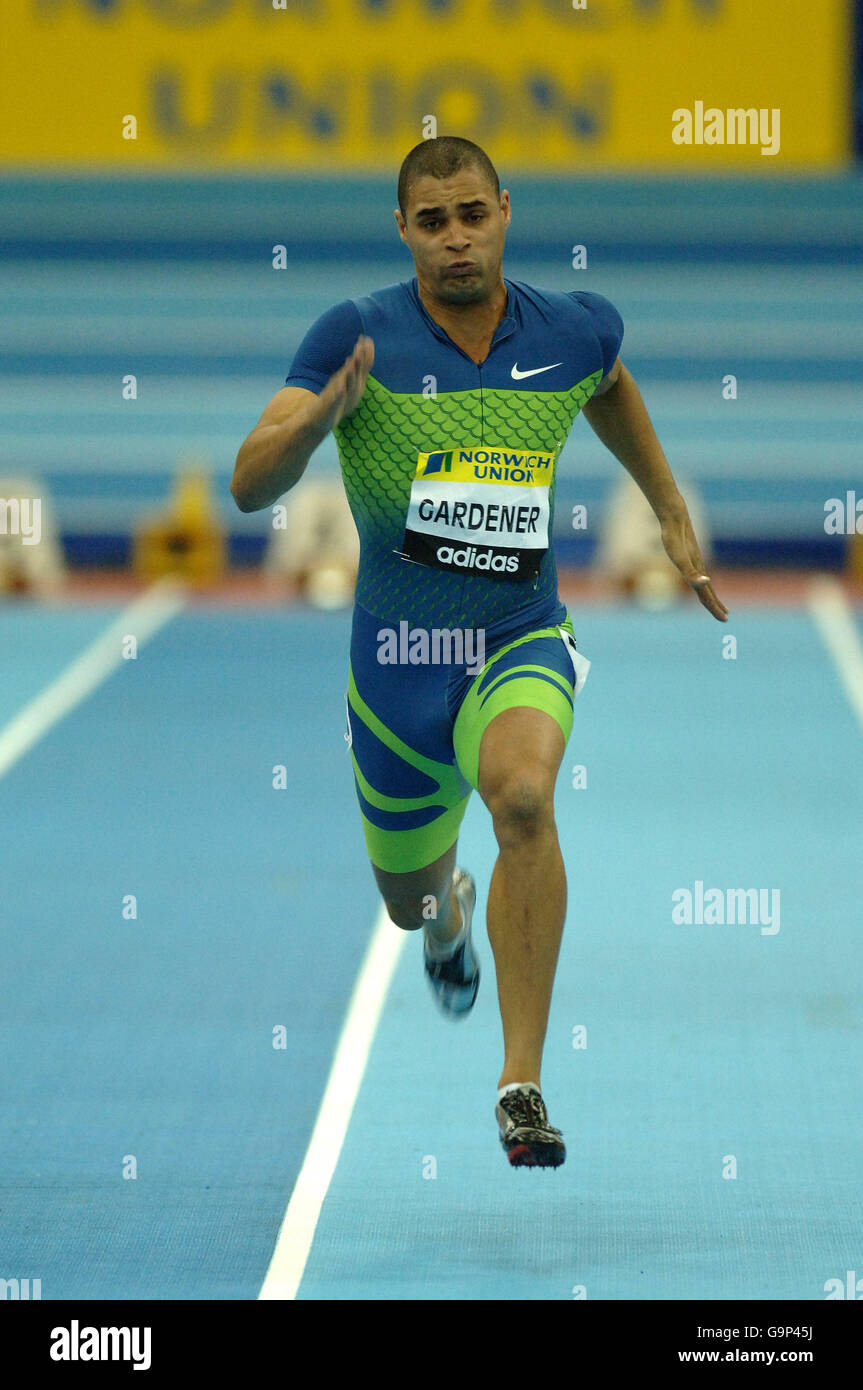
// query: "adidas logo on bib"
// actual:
[[493, 561]]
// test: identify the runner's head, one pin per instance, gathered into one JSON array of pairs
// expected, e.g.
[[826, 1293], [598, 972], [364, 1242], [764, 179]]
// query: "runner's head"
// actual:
[[451, 209]]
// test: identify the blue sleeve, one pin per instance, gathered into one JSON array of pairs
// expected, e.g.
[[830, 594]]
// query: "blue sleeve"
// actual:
[[607, 324], [323, 350]]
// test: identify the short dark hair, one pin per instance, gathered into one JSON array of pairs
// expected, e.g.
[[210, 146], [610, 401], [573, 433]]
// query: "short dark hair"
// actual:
[[444, 155]]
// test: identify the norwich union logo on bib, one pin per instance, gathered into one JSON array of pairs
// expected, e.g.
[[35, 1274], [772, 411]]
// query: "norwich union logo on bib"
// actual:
[[480, 510]]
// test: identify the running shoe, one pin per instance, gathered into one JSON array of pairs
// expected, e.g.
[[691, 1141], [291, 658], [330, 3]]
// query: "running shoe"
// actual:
[[455, 980], [525, 1134]]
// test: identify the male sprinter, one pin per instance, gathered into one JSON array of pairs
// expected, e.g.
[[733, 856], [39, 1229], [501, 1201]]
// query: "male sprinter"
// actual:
[[451, 396]]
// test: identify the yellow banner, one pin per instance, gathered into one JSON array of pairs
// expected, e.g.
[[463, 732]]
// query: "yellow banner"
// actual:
[[542, 85]]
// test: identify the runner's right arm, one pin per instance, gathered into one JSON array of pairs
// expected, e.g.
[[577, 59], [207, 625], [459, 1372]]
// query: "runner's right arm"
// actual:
[[274, 456]]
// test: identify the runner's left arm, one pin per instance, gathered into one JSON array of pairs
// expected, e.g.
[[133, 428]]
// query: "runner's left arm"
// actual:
[[618, 417]]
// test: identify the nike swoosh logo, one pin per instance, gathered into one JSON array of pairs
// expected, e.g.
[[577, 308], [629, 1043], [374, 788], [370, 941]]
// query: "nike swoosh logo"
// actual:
[[517, 375]]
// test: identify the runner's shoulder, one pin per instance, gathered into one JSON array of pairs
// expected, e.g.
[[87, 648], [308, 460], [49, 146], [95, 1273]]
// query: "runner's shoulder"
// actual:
[[605, 320], [359, 314], [577, 306], [333, 335], [580, 312]]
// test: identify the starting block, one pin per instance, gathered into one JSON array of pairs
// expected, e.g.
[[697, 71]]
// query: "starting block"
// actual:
[[187, 539]]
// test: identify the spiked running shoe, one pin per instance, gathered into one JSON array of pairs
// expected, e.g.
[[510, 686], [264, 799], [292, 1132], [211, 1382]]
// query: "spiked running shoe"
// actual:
[[525, 1134], [455, 980]]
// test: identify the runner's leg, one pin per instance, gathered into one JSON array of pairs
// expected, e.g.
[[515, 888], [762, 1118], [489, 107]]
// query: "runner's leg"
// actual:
[[510, 736], [411, 794], [520, 754], [423, 897]]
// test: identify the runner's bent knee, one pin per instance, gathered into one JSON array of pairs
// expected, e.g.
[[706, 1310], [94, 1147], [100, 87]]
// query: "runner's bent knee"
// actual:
[[521, 805]]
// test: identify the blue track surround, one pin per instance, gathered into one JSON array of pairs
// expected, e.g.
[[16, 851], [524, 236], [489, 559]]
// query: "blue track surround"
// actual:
[[153, 1038]]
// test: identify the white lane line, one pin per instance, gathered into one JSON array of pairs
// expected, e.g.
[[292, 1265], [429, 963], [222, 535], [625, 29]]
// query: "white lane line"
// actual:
[[349, 1063], [834, 618], [161, 602]]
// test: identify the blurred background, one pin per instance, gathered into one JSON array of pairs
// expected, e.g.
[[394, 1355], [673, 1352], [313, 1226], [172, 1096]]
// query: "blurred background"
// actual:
[[189, 183]]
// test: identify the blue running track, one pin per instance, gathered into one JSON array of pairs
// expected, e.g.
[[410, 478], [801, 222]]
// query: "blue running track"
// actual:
[[151, 1038]]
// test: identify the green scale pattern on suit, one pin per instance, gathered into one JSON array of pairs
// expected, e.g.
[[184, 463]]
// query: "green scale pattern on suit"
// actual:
[[378, 444]]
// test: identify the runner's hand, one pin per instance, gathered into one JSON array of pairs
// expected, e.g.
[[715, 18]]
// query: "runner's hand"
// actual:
[[342, 392], [681, 548]]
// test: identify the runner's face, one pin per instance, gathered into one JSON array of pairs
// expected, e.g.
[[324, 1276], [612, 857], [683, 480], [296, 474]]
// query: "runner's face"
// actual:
[[452, 220]]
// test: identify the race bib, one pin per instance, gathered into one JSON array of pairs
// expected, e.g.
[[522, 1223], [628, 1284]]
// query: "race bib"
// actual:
[[480, 510]]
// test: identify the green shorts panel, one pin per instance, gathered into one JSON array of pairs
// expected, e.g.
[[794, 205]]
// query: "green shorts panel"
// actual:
[[415, 735]]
